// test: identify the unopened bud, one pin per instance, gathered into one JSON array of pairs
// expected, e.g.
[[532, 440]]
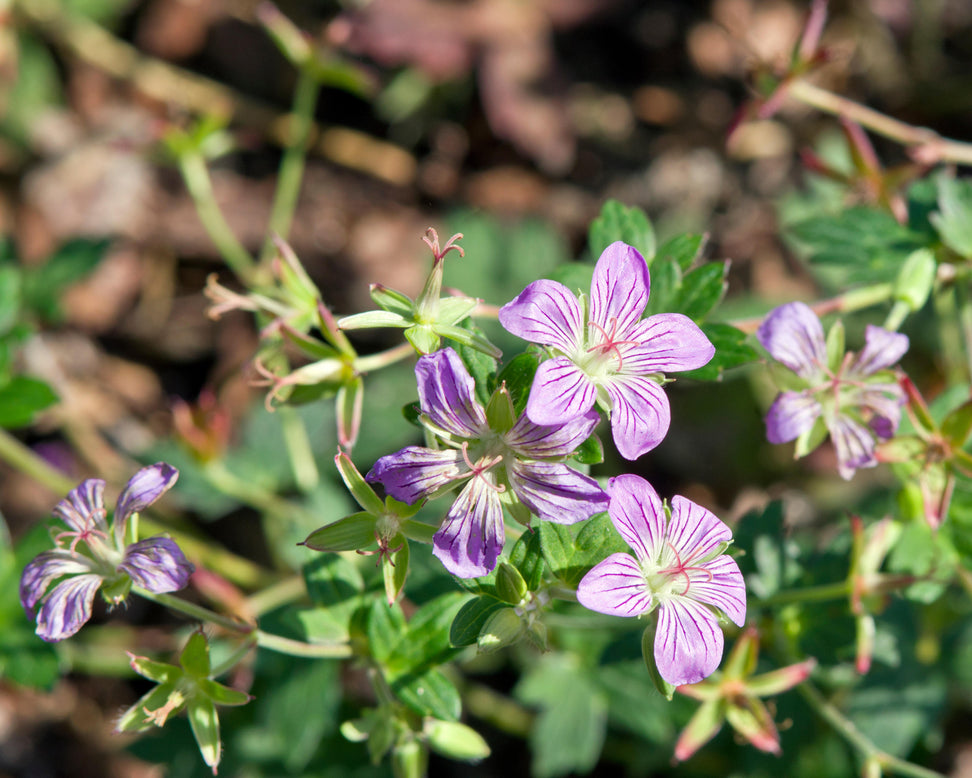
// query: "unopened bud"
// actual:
[[503, 628], [510, 586], [456, 741]]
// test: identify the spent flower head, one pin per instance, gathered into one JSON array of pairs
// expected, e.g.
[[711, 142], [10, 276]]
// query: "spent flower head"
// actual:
[[93, 554], [604, 352], [678, 568], [853, 397], [498, 459]]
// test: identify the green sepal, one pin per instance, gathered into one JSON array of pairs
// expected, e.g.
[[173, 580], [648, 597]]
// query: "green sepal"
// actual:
[[527, 557], [195, 656], [456, 741], [500, 415], [360, 489], [702, 727], [753, 721], [810, 439], [115, 591], [785, 379], [517, 510], [392, 301], [906, 449], [664, 688], [160, 672], [394, 568], [835, 346], [373, 319], [423, 338], [205, 728], [957, 426], [136, 720], [404, 511], [916, 279], [347, 534], [468, 338], [510, 585], [453, 310], [518, 376], [221, 694], [590, 452], [418, 531], [502, 628]]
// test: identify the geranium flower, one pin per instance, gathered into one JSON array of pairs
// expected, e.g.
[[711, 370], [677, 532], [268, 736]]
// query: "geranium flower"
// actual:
[[499, 458], [604, 351], [101, 557], [855, 399], [678, 567]]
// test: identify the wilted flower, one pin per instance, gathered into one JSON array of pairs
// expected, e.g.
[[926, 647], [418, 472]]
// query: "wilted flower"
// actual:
[[604, 352], [101, 557], [679, 568], [501, 460], [852, 397]]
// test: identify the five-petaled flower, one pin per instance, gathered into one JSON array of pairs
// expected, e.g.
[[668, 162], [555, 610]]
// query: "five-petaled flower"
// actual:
[[92, 555], [499, 458], [854, 398], [678, 568], [604, 351]]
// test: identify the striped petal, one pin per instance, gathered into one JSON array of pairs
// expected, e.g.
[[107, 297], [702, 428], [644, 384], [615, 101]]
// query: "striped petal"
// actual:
[[157, 564], [637, 513], [665, 343], [67, 608], [471, 538], [534, 441], [546, 313], [619, 291], [688, 642], [554, 492], [640, 416], [447, 394], [416, 472], [793, 336], [84, 507], [615, 586], [561, 391], [790, 415]]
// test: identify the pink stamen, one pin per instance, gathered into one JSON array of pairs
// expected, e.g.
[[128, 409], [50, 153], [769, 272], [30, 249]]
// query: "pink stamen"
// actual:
[[610, 344], [431, 239], [481, 467], [90, 531], [682, 569]]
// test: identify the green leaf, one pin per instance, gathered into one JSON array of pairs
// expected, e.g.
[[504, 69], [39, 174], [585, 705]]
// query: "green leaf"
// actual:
[[427, 640], [72, 262], [385, 628], [682, 249], [570, 551], [334, 584], [732, 350], [195, 656], [222, 695], [666, 279], [471, 618], [620, 222], [527, 557], [36, 88], [576, 276], [9, 298], [429, 693], [701, 290], [590, 452], [21, 399], [518, 377], [954, 217]]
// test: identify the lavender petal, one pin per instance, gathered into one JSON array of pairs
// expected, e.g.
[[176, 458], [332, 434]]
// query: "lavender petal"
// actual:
[[143, 489], [157, 564], [881, 349], [534, 441], [615, 586], [790, 415], [561, 392], [637, 513], [854, 444], [620, 289], [45, 568], [447, 394], [547, 313], [416, 472], [666, 343], [793, 336], [555, 492], [688, 642], [471, 537], [84, 507], [694, 532], [719, 583], [67, 608], [641, 414]]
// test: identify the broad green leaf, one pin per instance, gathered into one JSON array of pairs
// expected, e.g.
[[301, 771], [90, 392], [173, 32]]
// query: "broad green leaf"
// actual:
[[527, 557], [621, 222], [470, 619], [9, 297], [571, 551], [732, 350], [953, 219], [701, 290], [385, 628], [682, 249], [334, 584], [590, 452], [21, 399], [426, 642], [576, 276], [666, 278], [429, 693]]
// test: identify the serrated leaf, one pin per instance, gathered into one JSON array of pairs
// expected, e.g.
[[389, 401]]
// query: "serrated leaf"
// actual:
[[570, 551], [666, 279], [682, 249], [576, 276], [701, 290], [731, 350], [618, 221], [429, 693]]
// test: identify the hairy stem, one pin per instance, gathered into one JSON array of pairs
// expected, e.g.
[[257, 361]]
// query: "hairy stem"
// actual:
[[194, 611]]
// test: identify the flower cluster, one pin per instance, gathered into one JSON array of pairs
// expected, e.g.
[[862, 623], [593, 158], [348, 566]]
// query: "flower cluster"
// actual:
[[853, 397], [101, 556]]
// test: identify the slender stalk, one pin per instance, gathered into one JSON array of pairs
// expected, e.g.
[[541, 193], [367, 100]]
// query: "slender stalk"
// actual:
[[283, 593], [371, 362], [501, 712], [194, 171], [949, 333], [846, 729], [854, 300], [291, 647], [964, 302], [299, 449], [253, 494], [300, 127], [832, 591], [194, 611], [235, 657]]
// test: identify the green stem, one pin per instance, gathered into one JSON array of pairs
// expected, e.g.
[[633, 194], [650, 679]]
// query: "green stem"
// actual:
[[235, 657], [287, 591], [194, 611], [831, 591], [371, 362], [949, 332], [854, 300], [254, 495], [299, 449], [829, 712], [300, 127], [964, 302], [192, 165], [291, 647]]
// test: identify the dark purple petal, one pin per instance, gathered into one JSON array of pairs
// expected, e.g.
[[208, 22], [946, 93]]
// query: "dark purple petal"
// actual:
[[884, 401], [447, 394], [719, 583], [688, 642], [561, 392], [533, 441], [555, 492], [615, 586], [84, 507], [619, 291], [666, 343], [547, 313], [694, 532], [45, 568], [793, 336], [143, 489], [471, 538], [68, 607], [854, 444], [637, 513], [640, 416], [881, 349], [157, 564], [790, 415], [416, 472]]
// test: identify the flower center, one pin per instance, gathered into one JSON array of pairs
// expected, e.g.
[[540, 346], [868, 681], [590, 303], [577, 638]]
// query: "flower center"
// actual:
[[606, 345], [675, 578], [481, 466], [90, 535]]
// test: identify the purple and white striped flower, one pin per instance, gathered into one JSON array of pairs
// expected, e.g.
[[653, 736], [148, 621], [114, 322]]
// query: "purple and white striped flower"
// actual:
[[678, 567], [499, 459], [854, 398], [604, 352], [99, 556]]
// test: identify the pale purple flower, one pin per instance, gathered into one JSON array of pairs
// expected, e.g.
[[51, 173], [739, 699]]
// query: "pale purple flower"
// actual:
[[516, 463], [678, 567], [604, 351], [97, 556], [857, 400]]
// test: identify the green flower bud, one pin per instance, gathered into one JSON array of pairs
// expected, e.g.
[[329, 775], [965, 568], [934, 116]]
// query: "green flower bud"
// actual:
[[456, 741], [916, 279], [503, 628], [409, 760], [510, 586]]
